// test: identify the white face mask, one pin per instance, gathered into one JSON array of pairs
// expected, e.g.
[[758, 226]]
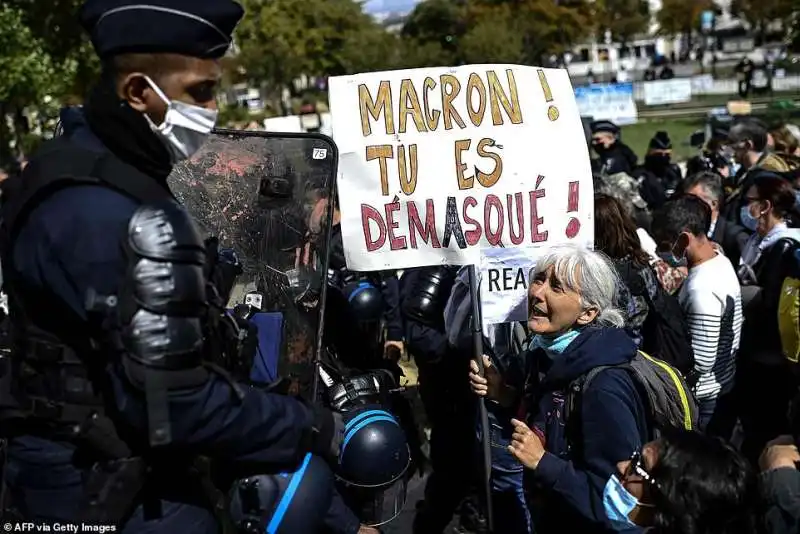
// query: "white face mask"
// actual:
[[185, 127]]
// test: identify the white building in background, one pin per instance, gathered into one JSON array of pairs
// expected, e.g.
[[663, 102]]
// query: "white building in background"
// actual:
[[603, 57]]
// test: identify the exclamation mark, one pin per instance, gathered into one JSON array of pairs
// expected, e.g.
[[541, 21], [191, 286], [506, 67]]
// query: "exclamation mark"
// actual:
[[573, 200], [552, 111]]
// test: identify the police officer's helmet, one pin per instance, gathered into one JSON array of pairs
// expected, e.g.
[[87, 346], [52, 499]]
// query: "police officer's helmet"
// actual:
[[286, 503], [373, 464], [366, 301]]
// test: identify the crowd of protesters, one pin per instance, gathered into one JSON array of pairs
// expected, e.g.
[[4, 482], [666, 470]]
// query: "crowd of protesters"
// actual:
[[693, 268]]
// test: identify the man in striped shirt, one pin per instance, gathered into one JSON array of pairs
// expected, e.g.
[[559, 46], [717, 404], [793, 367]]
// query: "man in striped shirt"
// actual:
[[711, 301]]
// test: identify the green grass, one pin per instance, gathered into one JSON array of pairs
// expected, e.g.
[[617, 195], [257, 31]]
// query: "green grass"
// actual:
[[637, 136]]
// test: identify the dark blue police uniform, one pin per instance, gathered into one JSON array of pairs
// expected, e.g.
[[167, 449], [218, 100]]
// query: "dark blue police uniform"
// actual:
[[390, 289], [71, 243], [445, 393]]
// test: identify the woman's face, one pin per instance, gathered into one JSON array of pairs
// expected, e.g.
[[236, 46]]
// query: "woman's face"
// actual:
[[634, 474], [758, 209], [554, 308]]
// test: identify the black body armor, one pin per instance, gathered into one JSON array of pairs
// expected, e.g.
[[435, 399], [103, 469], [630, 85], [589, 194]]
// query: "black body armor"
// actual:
[[426, 299], [161, 309], [53, 390], [54, 383]]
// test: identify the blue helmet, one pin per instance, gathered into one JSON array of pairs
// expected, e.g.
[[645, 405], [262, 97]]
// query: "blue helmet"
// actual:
[[286, 503], [366, 300], [373, 464]]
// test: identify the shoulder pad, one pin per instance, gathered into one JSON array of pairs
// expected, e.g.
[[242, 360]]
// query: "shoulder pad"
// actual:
[[165, 231]]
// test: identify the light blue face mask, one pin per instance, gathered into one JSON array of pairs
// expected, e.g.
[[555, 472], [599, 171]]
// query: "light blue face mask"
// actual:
[[618, 503], [557, 344], [676, 261], [748, 221]]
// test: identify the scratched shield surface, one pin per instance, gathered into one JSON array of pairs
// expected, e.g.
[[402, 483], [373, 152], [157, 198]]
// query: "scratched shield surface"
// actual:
[[266, 197]]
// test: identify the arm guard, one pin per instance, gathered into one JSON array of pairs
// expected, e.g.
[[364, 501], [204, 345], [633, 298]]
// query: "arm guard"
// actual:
[[161, 309]]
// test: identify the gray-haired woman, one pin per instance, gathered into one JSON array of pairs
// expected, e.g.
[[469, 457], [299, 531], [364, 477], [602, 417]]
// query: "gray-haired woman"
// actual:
[[574, 455]]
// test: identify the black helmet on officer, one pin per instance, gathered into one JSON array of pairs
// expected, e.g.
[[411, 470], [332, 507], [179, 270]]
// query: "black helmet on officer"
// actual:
[[365, 299]]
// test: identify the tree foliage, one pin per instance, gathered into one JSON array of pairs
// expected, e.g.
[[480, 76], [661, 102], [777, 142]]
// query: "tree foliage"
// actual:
[[759, 12], [55, 27], [521, 31], [494, 37], [28, 71], [681, 16], [623, 18], [280, 40]]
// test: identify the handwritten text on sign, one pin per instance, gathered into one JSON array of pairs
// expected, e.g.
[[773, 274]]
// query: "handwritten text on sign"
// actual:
[[504, 283], [438, 163], [505, 275]]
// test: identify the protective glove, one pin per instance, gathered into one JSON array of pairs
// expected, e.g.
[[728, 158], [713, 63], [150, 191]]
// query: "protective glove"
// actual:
[[328, 433]]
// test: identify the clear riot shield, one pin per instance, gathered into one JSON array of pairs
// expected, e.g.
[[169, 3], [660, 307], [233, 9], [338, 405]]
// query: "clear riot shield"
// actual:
[[266, 196]]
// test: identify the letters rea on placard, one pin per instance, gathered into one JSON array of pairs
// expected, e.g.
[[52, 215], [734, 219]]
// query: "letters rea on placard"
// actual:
[[506, 279]]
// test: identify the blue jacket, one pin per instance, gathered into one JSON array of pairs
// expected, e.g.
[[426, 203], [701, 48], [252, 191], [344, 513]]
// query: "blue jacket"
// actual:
[[611, 424]]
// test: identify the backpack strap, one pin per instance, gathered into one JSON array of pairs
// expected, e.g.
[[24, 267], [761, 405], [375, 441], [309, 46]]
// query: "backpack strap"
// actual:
[[574, 398], [62, 164], [576, 388]]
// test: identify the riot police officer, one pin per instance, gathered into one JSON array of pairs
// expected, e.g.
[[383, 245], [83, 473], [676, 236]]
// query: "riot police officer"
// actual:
[[615, 156], [92, 224], [658, 177], [424, 294], [388, 285]]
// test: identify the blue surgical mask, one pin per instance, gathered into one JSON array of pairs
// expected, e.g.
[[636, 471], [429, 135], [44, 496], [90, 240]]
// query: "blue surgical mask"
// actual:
[[676, 261], [672, 260], [748, 221], [555, 344], [618, 503]]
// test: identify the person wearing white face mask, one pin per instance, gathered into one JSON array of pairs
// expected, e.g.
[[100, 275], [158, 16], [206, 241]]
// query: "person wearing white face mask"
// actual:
[[766, 379], [93, 215], [185, 126]]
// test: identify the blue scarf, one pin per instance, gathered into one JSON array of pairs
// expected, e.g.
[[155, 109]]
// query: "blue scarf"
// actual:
[[555, 345]]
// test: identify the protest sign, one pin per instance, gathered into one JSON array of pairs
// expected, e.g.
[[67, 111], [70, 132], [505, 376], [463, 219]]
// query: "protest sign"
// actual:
[[504, 283], [609, 102], [504, 274], [436, 164], [660, 92]]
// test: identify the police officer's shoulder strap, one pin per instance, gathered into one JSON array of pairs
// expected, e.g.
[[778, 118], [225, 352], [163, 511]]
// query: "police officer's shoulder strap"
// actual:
[[62, 164]]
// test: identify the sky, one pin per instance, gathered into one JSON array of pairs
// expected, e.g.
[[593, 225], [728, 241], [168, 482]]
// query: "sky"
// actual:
[[386, 7]]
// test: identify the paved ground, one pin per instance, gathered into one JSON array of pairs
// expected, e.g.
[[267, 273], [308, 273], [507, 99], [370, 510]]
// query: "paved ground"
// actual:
[[416, 487], [402, 525]]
